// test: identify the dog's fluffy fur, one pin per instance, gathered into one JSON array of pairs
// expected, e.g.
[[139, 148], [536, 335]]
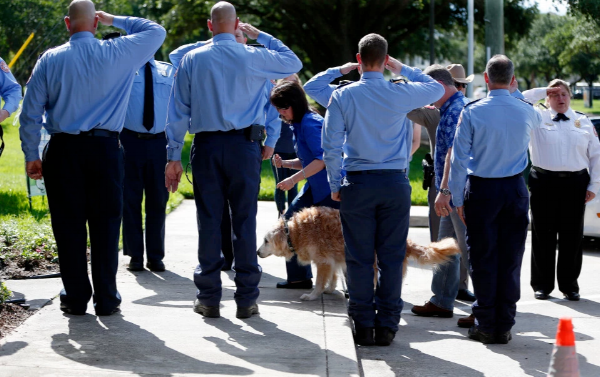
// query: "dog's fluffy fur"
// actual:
[[316, 235]]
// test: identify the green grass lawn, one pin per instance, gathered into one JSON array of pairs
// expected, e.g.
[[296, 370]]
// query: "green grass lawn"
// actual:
[[577, 105]]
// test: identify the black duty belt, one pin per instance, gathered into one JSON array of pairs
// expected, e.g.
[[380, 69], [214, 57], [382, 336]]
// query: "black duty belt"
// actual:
[[381, 171], [559, 174], [144, 135], [90, 133]]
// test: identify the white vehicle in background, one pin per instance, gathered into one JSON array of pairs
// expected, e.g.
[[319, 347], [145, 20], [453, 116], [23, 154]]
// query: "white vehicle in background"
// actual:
[[591, 219]]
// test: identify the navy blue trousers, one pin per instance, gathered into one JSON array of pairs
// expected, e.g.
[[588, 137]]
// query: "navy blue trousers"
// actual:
[[145, 162], [227, 236], [375, 211], [84, 182], [226, 167], [295, 271], [496, 216]]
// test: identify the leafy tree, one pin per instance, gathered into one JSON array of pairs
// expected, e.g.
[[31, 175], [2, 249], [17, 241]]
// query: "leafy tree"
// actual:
[[534, 58], [590, 8]]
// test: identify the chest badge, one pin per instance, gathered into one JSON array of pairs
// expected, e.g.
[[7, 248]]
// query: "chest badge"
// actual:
[[578, 123]]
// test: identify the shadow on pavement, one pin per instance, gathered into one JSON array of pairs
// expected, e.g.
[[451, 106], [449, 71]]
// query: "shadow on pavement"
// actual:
[[11, 348], [167, 287], [584, 306], [112, 343], [272, 348]]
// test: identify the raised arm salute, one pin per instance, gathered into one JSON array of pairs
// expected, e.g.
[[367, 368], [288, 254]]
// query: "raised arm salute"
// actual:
[[219, 95], [83, 87]]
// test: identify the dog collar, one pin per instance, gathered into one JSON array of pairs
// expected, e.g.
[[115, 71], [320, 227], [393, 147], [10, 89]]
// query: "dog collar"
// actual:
[[287, 233]]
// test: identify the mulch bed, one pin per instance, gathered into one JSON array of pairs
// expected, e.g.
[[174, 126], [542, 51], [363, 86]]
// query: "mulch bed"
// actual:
[[11, 316], [16, 268]]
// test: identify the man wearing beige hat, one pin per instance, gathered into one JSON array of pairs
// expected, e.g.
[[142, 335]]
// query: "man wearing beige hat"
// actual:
[[460, 80]]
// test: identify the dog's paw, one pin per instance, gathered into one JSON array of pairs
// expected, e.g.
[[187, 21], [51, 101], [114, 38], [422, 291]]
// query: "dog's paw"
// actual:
[[308, 297], [330, 289]]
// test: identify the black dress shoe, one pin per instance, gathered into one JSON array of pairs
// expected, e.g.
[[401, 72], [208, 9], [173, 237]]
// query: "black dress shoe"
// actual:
[[246, 312], [304, 284], [465, 295], [136, 264], [503, 338], [226, 267], [67, 309], [572, 296], [114, 311], [541, 295], [364, 336], [206, 311], [384, 336], [155, 265], [480, 336]]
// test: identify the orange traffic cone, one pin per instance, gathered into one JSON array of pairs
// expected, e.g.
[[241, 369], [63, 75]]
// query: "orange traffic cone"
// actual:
[[564, 358]]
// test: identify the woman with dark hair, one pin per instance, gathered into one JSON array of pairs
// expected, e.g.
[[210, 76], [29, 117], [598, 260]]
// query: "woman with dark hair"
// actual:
[[290, 101]]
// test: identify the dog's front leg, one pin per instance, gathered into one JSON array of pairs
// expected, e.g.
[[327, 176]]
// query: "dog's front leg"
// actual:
[[323, 273]]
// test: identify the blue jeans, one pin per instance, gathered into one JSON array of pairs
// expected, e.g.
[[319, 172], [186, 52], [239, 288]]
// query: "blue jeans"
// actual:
[[375, 210], [295, 271], [446, 277]]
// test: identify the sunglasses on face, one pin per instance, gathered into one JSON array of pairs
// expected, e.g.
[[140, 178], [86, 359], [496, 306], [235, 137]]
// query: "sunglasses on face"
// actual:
[[282, 108]]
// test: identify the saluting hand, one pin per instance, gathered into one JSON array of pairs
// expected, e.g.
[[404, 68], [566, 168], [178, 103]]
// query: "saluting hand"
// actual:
[[34, 169], [551, 91], [348, 67], [394, 66], [105, 18], [173, 172], [249, 30]]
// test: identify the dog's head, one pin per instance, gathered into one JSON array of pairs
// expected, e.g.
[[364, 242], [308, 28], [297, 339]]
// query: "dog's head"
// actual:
[[275, 243]]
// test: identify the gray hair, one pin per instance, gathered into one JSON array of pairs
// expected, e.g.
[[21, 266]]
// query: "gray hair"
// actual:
[[440, 73], [500, 70]]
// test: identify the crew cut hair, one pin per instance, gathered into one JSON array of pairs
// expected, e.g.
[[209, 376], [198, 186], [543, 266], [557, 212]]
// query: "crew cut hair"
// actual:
[[373, 49], [500, 70], [291, 94], [440, 73]]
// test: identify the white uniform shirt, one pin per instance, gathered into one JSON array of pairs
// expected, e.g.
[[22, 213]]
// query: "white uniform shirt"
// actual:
[[570, 145]]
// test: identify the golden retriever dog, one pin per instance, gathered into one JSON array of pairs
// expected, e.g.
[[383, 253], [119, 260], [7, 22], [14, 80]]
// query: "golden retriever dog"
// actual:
[[315, 235]]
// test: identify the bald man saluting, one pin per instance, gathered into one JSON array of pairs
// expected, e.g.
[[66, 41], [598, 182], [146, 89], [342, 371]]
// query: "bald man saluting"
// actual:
[[219, 96], [83, 86]]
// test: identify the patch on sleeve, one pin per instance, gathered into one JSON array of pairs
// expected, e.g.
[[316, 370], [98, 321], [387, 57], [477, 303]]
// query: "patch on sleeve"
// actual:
[[4, 67]]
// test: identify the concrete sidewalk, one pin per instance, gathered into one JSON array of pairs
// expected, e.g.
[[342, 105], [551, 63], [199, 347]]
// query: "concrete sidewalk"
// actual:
[[157, 332]]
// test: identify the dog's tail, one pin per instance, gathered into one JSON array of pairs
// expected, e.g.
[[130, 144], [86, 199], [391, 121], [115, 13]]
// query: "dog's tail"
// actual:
[[436, 253]]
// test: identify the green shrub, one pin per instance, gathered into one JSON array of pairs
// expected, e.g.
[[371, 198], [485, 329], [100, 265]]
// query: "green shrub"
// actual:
[[5, 293]]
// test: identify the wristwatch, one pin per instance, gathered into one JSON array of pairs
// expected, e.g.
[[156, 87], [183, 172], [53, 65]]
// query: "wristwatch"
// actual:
[[445, 191]]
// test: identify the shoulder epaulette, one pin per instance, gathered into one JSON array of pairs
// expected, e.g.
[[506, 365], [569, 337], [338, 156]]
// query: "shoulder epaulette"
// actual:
[[165, 63], [257, 45], [527, 102], [344, 83], [472, 102], [542, 106], [398, 80], [579, 112]]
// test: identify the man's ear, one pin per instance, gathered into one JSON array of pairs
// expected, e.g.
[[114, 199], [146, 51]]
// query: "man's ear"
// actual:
[[96, 19], [68, 23], [209, 24], [237, 23], [387, 59], [358, 59], [485, 76], [512, 80]]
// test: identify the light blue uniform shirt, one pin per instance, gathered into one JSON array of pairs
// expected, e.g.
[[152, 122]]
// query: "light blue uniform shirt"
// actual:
[[272, 121], [10, 90], [162, 78], [86, 82], [320, 88], [366, 120], [222, 86], [491, 140]]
